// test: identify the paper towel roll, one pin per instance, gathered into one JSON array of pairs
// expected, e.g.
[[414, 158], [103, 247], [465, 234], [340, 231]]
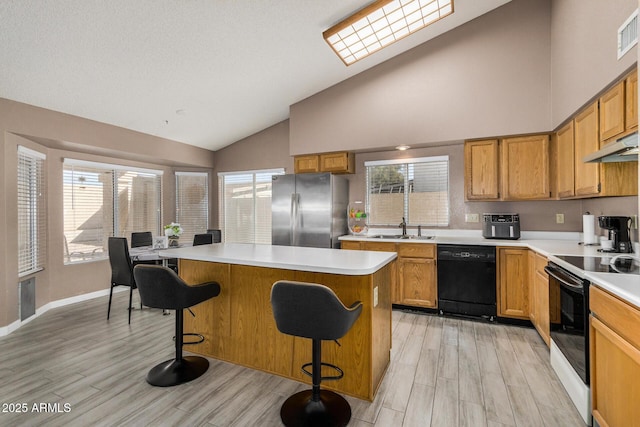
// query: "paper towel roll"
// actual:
[[589, 229]]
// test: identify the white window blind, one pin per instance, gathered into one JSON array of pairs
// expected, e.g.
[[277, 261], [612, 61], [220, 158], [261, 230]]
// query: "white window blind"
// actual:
[[245, 206], [88, 212], [138, 203], [32, 213], [192, 203], [416, 189], [102, 200]]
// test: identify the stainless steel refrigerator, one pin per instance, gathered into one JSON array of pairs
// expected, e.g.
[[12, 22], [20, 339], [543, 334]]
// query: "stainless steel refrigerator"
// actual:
[[309, 209]]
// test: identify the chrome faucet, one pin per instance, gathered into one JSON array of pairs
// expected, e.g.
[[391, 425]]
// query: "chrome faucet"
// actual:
[[403, 225], [419, 231]]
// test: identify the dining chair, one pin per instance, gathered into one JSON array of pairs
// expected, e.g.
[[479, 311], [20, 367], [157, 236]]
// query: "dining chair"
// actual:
[[143, 238], [202, 239], [121, 269]]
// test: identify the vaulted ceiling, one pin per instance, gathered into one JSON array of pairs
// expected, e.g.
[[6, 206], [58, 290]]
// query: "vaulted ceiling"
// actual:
[[201, 72]]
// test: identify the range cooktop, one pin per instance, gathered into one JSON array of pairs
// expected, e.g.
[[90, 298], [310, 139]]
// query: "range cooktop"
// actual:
[[602, 264]]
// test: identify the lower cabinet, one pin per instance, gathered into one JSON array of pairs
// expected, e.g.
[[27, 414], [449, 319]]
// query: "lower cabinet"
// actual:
[[539, 295], [615, 360], [413, 275], [513, 282], [417, 275]]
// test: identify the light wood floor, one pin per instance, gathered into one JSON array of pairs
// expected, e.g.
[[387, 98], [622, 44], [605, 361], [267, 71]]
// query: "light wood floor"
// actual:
[[444, 372]]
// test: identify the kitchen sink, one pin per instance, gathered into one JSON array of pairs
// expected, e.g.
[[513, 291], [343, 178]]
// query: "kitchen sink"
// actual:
[[400, 236]]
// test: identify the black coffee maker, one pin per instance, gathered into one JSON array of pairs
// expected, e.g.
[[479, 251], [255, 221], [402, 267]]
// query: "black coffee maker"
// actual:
[[619, 231]]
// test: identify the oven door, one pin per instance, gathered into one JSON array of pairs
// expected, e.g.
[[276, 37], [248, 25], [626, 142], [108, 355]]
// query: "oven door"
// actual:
[[570, 318]]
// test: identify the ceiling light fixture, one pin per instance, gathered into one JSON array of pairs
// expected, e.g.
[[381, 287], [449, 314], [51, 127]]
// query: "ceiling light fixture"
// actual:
[[402, 147], [382, 23]]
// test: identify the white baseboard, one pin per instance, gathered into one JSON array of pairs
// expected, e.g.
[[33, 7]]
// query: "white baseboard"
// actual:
[[6, 330]]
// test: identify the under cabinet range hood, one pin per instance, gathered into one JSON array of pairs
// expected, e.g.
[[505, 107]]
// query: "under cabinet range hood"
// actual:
[[624, 149]]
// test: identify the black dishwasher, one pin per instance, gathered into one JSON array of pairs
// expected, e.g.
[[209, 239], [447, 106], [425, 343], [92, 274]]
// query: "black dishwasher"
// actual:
[[467, 280]]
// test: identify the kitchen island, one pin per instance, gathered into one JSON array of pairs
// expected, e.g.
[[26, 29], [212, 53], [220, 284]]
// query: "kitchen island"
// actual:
[[238, 325]]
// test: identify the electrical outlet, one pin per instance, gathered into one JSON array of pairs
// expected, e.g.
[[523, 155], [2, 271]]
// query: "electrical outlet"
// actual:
[[471, 218], [375, 296], [634, 222], [559, 218]]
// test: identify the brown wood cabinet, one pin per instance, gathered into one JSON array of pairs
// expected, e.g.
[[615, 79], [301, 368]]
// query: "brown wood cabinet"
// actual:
[[306, 164], [615, 359], [515, 168], [481, 173], [350, 244], [539, 295], [612, 112], [513, 282], [619, 109], [525, 168], [587, 141], [417, 275], [565, 170], [590, 179], [341, 162], [631, 101], [414, 279]]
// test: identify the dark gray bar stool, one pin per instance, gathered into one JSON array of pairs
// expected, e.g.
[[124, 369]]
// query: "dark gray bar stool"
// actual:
[[160, 287], [313, 311]]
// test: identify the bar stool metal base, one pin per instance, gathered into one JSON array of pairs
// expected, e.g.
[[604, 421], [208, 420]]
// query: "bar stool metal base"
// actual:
[[300, 410], [177, 371]]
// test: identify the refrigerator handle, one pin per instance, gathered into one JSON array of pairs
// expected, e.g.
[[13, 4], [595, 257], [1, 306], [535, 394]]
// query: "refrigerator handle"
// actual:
[[293, 218]]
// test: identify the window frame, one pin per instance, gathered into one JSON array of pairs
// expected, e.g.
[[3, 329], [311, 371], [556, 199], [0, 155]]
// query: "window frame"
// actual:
[[117, 172], [406, 194], [222, 223]]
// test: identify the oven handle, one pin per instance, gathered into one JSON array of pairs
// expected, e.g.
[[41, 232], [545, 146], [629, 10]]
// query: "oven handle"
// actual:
[[565, 281]]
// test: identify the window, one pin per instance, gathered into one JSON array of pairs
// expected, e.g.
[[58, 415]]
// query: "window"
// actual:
[[102, 200], [32, 212], [192, 203], [416, 189], [245, 206]]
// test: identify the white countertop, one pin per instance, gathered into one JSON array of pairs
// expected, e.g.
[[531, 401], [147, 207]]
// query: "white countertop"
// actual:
[[317, 260], [625, 286]]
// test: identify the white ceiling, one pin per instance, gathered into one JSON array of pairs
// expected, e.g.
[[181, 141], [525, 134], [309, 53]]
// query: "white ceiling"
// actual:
[[203, 72]]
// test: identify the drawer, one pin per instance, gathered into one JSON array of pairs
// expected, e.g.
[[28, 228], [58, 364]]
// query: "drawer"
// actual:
[[417, 250], [379, 246], [621, 317], [350, 244]]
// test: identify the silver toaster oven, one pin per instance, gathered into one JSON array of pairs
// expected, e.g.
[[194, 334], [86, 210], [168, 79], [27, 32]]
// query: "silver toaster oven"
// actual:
[[501, 226]]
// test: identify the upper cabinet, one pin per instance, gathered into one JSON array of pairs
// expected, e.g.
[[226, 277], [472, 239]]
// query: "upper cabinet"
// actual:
[[612, 112], [306, 164], [481, 170], [564, 140], [587, 175], [619, 108], [631, 100], [508, 169], [525, 168], [342, 162]]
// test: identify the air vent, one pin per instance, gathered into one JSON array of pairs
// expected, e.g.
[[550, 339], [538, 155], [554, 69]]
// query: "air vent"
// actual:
[[628, 34], [27, 298]]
